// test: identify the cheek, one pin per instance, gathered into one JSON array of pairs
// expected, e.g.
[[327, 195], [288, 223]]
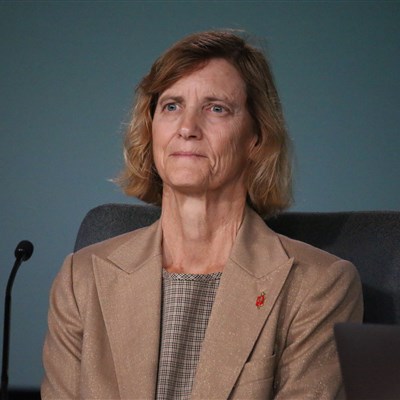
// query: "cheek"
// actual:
[[158, 146], [159, 136], [162, 132], [236, 146], [160, 142], [230, 153]]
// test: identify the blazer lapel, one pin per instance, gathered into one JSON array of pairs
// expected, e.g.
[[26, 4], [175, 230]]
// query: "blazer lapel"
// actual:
[[257, 264], [129, 288]]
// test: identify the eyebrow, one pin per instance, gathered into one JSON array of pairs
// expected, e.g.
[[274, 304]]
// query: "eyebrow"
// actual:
[[162, 98]]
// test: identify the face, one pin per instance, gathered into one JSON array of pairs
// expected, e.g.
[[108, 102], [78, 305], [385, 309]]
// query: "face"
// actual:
[[202, 131]]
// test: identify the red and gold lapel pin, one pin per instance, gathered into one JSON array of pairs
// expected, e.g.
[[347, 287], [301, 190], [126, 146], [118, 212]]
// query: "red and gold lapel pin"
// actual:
[[260, 300]]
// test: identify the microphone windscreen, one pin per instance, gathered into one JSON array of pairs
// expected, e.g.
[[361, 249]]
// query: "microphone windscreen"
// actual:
[[24, 250]]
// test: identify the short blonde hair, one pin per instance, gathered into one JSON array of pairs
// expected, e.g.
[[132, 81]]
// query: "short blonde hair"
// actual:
[[269, 171]]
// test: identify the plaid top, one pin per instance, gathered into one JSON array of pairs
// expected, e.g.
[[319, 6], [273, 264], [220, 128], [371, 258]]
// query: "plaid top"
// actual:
[[187, 303]]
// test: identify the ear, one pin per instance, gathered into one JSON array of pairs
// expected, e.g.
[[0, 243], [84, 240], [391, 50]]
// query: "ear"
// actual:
[[253, 145], [255, 139]]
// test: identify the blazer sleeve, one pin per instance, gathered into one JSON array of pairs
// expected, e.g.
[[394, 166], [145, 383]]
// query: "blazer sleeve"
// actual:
[[62, 348], [308, 367]]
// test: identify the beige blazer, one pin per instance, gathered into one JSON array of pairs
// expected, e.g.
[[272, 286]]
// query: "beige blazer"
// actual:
[[104, 320]]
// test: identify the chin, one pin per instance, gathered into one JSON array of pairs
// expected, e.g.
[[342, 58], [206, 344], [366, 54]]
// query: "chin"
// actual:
[[186, 177], [187, 183]]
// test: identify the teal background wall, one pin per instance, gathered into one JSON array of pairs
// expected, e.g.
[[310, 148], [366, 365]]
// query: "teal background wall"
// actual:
[[67, 74]]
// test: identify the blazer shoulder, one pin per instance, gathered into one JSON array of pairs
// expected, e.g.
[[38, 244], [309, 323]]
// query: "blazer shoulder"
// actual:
[[319, 274], [312, 264]]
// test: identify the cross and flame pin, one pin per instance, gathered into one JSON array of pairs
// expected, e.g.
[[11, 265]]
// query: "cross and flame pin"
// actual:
[[260, 300]]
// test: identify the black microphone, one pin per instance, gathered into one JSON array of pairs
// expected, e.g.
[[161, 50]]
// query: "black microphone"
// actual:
[[23, 252]]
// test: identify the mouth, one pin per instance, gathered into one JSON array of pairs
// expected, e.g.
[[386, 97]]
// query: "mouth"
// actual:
[[187, 154]]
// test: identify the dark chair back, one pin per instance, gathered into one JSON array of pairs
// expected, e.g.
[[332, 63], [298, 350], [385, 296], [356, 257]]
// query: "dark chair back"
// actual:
[[370, 240]]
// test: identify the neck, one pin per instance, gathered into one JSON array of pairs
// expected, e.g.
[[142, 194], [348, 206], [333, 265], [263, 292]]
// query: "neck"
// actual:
[[199, 232]]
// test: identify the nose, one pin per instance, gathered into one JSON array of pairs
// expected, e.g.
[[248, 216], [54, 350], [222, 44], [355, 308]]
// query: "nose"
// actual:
[[189, 127]]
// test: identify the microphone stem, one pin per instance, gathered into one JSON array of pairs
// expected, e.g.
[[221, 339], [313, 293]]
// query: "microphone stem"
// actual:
[[6, 330]]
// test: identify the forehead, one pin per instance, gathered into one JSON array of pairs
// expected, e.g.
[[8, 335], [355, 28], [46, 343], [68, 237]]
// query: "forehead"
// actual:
[[218, 76]]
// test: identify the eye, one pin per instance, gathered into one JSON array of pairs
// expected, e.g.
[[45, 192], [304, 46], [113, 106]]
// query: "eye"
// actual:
[[170, 107], [217, 108]]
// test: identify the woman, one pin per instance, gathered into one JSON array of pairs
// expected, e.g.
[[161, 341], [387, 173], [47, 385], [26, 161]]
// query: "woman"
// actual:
[[208, 302]]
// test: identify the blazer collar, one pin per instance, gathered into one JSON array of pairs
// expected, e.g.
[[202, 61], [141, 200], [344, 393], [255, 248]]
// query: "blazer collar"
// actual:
[[257, 249], [141, 245]]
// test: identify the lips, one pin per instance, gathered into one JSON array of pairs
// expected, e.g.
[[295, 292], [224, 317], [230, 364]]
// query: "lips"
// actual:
[[186, 154]]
